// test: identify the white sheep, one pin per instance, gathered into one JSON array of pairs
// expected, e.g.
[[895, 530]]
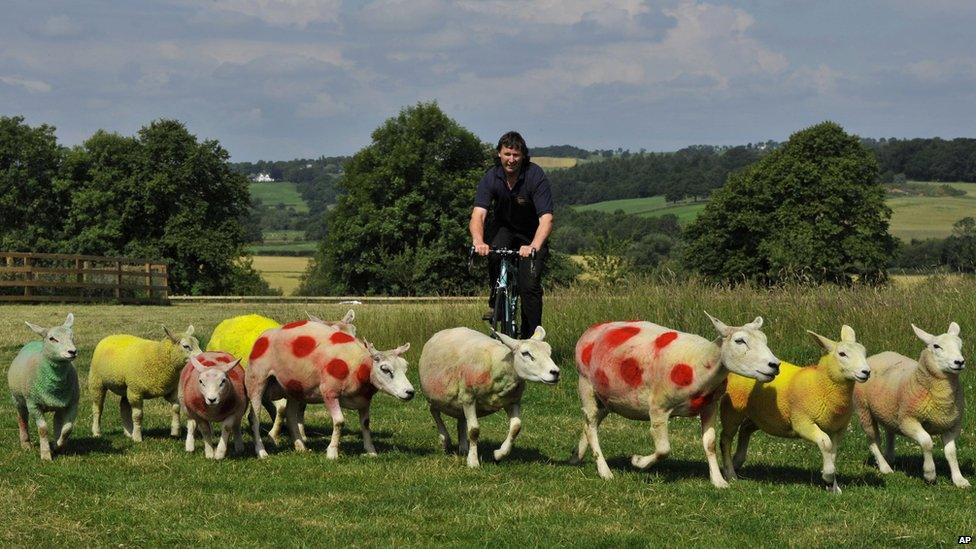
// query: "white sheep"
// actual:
[[212, 390], [644, 371], [917, 399], [466, 374]]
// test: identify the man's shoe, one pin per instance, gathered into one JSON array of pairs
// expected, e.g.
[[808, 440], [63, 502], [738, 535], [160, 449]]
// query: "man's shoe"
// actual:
[[488, 316]]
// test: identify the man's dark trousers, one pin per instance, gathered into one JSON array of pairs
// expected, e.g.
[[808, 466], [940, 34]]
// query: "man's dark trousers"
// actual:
[[529, 279]]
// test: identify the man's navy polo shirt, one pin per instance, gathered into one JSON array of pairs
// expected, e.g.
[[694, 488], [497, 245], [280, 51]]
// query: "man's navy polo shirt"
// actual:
[[518, 208]]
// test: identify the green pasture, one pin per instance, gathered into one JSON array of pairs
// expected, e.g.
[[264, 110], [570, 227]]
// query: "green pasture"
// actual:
[[111, 491], [283, 272], [305, 248], [652, 206], [279, 192]]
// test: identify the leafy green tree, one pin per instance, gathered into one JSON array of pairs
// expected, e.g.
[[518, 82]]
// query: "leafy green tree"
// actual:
[[812, 209], [401, 226], [32, 193], [959, 250]]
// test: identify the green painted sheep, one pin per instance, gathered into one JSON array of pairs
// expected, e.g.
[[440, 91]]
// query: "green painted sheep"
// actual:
[[137, 369], [43, 379]]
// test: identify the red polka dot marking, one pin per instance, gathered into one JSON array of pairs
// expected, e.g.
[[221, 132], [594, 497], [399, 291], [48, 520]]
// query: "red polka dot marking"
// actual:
[[630, 372], [260, 346], [341, 337], [302, 346], [234, 373], [296, 324], [226, 359], [664, 340], [618, 336], [682, 375], [337, 368], [587, 354], [602, 381], [362, 372]]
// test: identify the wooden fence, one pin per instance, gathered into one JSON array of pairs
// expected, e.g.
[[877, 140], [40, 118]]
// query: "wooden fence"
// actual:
[[38, 277]]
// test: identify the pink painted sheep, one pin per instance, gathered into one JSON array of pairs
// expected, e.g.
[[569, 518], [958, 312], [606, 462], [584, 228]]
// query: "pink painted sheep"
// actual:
[[212, 391], [309, 362], [645, 371], [466, 375]]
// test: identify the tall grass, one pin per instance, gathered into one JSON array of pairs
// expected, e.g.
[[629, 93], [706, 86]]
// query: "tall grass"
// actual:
[[112, 491]]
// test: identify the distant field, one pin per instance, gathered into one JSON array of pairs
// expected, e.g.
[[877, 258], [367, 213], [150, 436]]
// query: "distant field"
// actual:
[[279, 193], [652, 206], [912, 216], [550, 162], [281, 271], [279, 248]]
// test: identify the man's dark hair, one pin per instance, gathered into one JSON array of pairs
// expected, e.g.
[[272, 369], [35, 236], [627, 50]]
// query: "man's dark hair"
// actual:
[[513, 140]]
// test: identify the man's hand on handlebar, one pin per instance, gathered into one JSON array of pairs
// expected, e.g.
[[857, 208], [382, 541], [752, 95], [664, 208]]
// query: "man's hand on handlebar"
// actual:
[[481, 249], [527, 251]]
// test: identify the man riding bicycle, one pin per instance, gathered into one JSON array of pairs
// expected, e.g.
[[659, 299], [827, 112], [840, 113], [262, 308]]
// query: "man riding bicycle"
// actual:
[[521, 219]]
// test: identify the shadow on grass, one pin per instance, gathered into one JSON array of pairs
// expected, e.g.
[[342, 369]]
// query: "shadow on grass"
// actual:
[[83, 446], [785, 474], [911, 465]]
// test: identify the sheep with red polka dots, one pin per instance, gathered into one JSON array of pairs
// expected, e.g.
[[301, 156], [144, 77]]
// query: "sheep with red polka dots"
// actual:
[[212, 391], [466, 375], [310, 362], [644, 371]]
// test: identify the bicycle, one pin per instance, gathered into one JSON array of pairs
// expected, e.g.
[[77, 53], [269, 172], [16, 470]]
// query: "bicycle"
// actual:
[[505, 317]]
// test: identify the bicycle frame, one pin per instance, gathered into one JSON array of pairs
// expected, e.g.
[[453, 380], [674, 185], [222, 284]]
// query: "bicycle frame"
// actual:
[[505, 319]]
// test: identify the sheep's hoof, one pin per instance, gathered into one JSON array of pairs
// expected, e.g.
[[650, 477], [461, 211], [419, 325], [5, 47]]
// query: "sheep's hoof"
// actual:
[[499, 455], [262, 454], [929, 477], [26, 445], [137, 437], [885, 469], [720, 483], [961, 482], [574, 459], [332, 453], [46, 456], [372, 454], [300, 446], [833, 488], [474, 463], [604, 471]]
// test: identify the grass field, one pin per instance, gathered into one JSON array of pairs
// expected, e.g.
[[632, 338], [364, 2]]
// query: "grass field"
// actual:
[[110, 491], [304, 248], [554, 162], [653, 206], [282, 272], [279, 192]]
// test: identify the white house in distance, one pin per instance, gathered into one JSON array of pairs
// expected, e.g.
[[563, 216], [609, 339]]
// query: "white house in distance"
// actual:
[[263, 178]]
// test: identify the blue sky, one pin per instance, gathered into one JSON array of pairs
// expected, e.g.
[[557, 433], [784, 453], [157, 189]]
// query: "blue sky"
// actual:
[[301, 78]]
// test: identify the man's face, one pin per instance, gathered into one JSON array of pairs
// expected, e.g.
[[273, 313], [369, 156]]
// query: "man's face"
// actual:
[[511, 159]]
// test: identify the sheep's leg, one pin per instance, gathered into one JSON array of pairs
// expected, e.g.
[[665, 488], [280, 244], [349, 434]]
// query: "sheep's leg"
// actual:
[[811, 431], [949, 440], [226, 430], [890, 434], [579, 452], [98, 401], [125, 412], [38, 417], [912, 428], [255, 388], [473, 432], [462, 434], [441, 429], [708, 416], [367, 435], [731, 422], [280, 410], [746, 430], [591, 413], [64, 421], [514, 426], [291, 411], [191, 427], [206, 433], [174, 423], [662, 445], [870, 425], [301, 421], [136, 402], [332, 404], [238, 439], [22, 417]]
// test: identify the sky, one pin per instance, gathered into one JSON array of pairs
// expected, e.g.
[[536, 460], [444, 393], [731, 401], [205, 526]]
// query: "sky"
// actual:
[[277, 80]]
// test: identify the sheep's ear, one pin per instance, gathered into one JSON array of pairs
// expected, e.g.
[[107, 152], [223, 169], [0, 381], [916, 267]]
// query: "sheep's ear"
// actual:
[[189, 330], [755, 324], [953, 329], [509, 342], [313, 318], [827, 344], [402, 349], [196, 364], [170, 335], [228, 367], [926, 337], [37, 329], [539, 334], [370, 347], [722, 328], [847, 334], [69, 321], [350, 316]]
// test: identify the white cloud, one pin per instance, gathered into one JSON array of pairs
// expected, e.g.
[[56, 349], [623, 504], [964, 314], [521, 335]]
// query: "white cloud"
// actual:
[[29, 84], [558, 12], [283, 13]]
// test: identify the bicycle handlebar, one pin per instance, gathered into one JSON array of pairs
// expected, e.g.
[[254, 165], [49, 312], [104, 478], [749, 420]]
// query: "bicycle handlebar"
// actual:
[[503, 252]]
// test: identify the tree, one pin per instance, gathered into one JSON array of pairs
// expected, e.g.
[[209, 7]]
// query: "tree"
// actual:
[[812, 208], [401, 226], [959, 250]]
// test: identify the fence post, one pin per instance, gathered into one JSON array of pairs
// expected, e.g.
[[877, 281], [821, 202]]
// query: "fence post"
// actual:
[[118, 280], [165, 282], [28, 276], [149, 290]]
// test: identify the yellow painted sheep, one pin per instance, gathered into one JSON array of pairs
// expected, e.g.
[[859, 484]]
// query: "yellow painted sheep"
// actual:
[[137, 369], [813, 403]]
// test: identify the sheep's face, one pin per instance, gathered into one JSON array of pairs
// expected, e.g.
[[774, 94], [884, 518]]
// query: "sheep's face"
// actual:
[[344, 325], [532, 358], [846, 359], [389, 372], [944, 350], [744, 350], [59, 344], [213, 383], [189, 345]]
